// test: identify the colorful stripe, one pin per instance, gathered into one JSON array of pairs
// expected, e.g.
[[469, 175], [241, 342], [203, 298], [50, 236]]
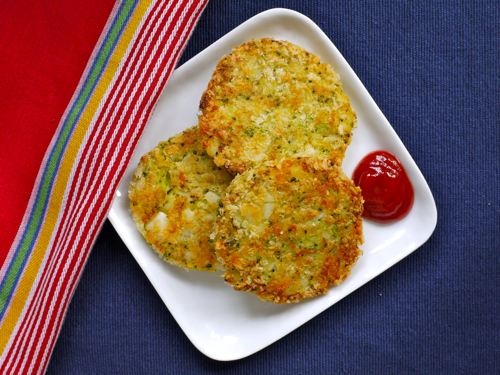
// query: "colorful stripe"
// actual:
[[131, 65], [35, 221]]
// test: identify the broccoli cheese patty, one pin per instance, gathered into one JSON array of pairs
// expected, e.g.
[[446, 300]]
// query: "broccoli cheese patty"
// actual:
[[270, 99], [175, 196], [287, 232]]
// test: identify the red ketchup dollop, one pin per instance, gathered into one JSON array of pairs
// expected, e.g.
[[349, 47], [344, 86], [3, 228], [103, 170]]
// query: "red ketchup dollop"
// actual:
[[386, 189]]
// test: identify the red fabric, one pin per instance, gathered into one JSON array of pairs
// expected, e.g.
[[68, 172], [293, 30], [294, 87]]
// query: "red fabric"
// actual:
[[97, 172], [44, 48]]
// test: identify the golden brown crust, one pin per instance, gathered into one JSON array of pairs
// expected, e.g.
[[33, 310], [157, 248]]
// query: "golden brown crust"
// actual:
[[271, 99], [289, 231], [175, 196]]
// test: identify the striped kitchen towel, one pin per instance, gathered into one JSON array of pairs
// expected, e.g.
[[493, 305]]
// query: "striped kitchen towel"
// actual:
[[79, 81]]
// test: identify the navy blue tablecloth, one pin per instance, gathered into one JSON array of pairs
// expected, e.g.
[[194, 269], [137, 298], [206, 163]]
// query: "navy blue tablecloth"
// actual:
[[433, 68]]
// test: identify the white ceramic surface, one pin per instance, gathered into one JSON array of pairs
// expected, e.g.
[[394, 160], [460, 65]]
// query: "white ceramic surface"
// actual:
[[225, 324]]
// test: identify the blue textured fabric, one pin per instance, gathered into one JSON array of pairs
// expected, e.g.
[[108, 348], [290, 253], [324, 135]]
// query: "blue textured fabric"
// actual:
[[433, 68]]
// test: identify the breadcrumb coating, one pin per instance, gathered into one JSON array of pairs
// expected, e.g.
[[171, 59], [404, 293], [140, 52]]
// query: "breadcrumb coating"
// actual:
[[288, 231], [272, 99], [175, 196]]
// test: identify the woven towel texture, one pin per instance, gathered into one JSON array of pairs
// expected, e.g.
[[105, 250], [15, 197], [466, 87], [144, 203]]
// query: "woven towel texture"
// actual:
[[109, 85], [433, 69]]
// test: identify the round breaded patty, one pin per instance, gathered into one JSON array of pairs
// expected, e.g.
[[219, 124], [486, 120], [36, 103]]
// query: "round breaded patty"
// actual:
[[287, 232], [270, 99], [175, 194]]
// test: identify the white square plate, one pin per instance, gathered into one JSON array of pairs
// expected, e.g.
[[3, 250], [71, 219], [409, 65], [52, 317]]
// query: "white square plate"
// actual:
[[225, 324]]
